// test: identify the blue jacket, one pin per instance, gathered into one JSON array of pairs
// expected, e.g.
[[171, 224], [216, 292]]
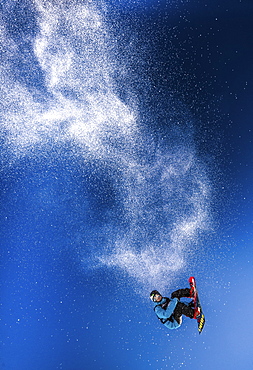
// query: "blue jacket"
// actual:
[[165, 314]]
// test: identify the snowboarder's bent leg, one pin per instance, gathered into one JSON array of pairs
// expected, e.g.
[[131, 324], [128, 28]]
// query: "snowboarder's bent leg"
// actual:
[[182, 309], [181, 293]]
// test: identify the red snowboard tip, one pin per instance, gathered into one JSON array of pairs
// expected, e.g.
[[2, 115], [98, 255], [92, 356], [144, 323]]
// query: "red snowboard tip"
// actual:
[[191, 280]]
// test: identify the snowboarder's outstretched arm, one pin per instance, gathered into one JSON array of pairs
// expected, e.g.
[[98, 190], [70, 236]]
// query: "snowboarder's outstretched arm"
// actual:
[[165, 314]]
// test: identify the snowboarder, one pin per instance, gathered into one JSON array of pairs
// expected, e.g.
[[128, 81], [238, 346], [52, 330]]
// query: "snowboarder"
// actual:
[[170, 310]]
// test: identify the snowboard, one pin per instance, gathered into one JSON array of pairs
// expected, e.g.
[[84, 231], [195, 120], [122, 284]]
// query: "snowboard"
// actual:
[[196, 302]]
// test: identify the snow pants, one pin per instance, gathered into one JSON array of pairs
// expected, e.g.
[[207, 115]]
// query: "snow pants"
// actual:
[[182, 308]]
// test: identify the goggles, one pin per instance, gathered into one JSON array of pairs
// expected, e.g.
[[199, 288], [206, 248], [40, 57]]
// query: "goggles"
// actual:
[[152, 297]]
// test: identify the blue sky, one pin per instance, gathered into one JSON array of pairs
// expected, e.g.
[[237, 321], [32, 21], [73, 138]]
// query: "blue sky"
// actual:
[[126, 166]]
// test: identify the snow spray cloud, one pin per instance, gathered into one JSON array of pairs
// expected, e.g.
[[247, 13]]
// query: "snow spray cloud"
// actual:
[[162, 195]]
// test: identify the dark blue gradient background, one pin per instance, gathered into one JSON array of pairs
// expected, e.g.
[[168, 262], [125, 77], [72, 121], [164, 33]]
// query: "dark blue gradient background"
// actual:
[[126, 165]]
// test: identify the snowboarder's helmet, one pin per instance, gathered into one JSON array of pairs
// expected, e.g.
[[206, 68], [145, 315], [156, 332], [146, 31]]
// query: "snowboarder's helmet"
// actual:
[[152, 294]]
